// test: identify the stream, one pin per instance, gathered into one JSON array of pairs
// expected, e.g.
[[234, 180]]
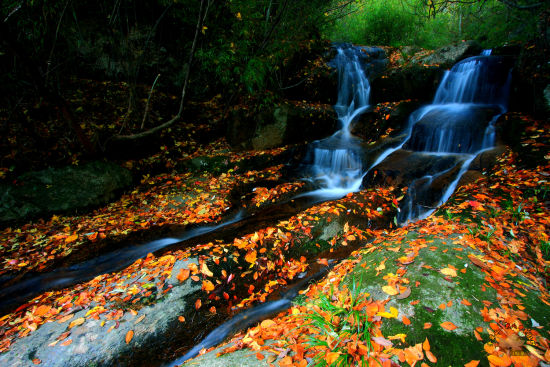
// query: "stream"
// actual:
[[456, 127]]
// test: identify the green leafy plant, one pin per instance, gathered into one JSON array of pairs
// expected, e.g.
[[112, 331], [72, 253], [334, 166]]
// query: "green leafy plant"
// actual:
[[339, 319]]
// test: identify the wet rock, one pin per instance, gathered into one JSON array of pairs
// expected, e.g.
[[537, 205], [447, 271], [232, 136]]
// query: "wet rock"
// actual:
[[372, 125], [280, 125], [447, 56], [93, 345], [403, 166], [63, 190], [486, 160]]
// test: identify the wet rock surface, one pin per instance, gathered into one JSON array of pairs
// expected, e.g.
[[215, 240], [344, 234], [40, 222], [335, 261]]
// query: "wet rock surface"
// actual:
[[62, 190]]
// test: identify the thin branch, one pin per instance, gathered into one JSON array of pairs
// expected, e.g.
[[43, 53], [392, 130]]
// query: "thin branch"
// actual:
[[155, 129], [148, 100], [515, 5]]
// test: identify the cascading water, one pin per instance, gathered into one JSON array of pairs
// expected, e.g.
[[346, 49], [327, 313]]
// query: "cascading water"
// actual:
[[336, 164], [459, 125]]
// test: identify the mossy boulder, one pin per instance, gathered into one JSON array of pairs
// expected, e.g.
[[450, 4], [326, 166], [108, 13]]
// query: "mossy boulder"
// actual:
[[62, 190]]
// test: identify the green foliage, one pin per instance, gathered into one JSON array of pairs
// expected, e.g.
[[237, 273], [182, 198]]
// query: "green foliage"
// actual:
[[338, 318], [429, 25]]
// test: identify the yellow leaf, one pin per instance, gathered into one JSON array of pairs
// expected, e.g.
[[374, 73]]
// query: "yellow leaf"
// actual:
[[388, 289], [449, 272], [206, 271], [77, 322]]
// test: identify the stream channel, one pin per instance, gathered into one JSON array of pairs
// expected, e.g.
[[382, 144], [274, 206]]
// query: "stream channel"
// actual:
[[452, 131]]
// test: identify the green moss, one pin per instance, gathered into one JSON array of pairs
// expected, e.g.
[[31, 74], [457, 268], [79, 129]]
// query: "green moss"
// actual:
[[450, 347]]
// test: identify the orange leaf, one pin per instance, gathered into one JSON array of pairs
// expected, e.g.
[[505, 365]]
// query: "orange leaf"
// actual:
[[322, 262], [72, 238], [42, 310], [198, 304], [36, 361], [502, 361], [405, 320], [331, 357], [207, 286], [183, 274], [447, 325], [472, 363], [212, 310], [66, 342], [442, 306], [426, 345], [250, 257], [427, 325], [431, 356], [260, 356], [287, 361], [181, 318], [129, 336], [465, 302], [478, 337]]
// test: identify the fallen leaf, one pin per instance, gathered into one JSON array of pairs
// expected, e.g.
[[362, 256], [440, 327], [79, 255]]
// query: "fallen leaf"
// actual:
[[322, 262], [36, 361], [77, 322], [207, 286], [465, 302], [426, 345], [181, 318], [71, 238], [431, 356], [250, 257], [66, 342], [427, 325], [198, 304], [206, 271], [501, 360], [405, 320], [449, 272], [382, 341], [183, 274], [447, 325], [129, 336], [260, 356], [472, 363], [42, 310], [388, 289], [404, 294], [331, 357]]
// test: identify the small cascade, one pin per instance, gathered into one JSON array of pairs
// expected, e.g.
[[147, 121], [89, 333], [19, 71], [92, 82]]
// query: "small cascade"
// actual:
[[335, 162], [459, 123]]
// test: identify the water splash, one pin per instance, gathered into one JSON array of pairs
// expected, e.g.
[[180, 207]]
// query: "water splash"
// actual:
[[455, 124], [336, 165]]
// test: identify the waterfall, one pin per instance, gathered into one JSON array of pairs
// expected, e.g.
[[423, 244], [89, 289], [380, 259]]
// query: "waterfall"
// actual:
[[459, 123], [335, 162]]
